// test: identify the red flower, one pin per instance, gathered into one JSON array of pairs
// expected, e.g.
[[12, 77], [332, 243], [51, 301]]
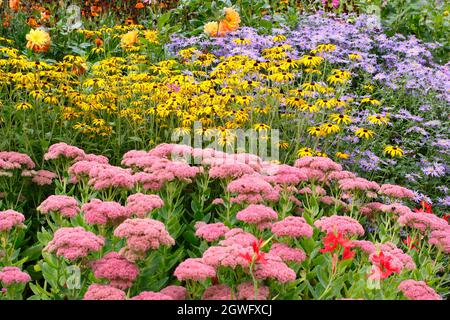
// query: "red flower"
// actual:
[[410, 242], [383, 265], [257, 256], [334, 241], [446, 217], [426, 207], [348, 254]]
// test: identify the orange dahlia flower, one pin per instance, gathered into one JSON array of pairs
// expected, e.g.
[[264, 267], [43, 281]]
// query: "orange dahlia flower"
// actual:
[[38, 40]]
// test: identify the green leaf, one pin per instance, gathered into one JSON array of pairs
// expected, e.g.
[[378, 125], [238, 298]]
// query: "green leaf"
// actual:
[[163, 20]]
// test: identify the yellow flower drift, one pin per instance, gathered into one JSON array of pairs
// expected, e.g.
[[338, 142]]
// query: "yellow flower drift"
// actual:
[[38, 40]]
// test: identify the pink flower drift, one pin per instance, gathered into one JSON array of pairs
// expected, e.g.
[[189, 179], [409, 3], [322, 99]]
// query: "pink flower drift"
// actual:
[[194, 269], [150, 295], [103, 292], [141, 204], [11, 160], [63, 150], [176, 292], [287, 253], [13, 275], [10, 219], [104, 212], [226, 256], [74, 242], [257, 214], [210, 232], [246, 291], [143, 235], [395, 191], [274, 267], [293, 227], [65, 205], [418, 290], [119, 271], [343, 224]]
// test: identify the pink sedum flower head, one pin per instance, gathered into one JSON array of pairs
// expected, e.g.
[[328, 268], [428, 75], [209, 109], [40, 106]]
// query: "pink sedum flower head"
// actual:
[[441, 239], [143, 235], [176, 292], [394, 191], [396, 208], [43, 177], [257, 214], [226, 256], [293, 227], [63, 150], [230, 170], [285, 175], [319, 163], [354, 184], [74, 243], [11, 219], [369, 209], [340, 175], [194, 269], [364, 245], [111, 177], [103, 292], [150, 295], [422, 221], [418, 290], [65, 205], [252, 189], [238, 236], [287, 253], [142, 205], [246, 291], [11, 160], [210, 232], [104, 212], [345, 225], [217, 292], [82, 169], [119, 271], [93, 158], [274, 268], [13, 275], [407, 262]]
